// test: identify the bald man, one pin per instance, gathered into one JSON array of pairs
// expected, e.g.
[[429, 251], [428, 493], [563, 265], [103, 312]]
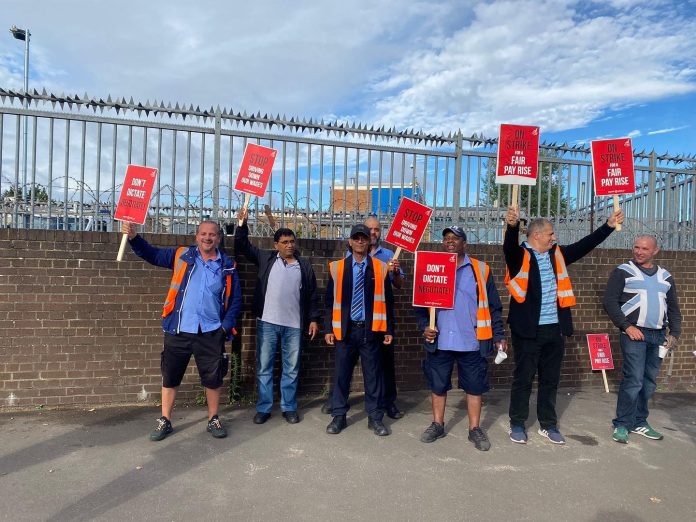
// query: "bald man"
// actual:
[[641, 300]]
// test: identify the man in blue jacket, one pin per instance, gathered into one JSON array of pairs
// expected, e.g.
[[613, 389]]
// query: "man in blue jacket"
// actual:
[[285, 304], [200, 313]]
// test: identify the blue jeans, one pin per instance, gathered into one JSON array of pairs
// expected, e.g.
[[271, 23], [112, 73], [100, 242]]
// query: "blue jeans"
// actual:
[[641, 364], [268, 336]]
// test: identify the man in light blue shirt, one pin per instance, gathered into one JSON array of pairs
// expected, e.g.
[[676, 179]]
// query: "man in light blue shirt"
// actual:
[[199, 315], [464, 335], [397, 278]]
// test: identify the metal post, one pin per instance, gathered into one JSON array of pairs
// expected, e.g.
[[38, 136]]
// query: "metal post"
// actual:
[[26, 106], [457, 184], [652, 187], [216, 164]]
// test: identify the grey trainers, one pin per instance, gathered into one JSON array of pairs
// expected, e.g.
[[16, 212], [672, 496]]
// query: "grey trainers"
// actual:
[[162, 429], [478, 437], [433, 432], [216, 428]]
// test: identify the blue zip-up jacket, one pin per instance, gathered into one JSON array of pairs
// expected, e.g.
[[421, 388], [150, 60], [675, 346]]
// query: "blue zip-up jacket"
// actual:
[[164, 257]]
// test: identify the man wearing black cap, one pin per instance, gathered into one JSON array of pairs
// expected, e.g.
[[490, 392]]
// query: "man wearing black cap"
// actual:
[[465, 335], [359, 316]]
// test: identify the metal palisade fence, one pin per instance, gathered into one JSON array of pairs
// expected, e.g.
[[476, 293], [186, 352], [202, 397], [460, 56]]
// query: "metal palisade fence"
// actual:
[[327, 176]]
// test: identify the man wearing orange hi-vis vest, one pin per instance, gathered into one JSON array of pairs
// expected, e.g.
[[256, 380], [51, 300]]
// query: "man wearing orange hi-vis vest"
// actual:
[[199, 315], [541, 295], [359, 316], [465, 335]]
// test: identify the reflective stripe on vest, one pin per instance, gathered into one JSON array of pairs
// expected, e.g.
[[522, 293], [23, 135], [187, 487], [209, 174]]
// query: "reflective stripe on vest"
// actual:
[[175, 284], [484, 325], [517, 286], [379, 305], [564, 288], [178, 277]]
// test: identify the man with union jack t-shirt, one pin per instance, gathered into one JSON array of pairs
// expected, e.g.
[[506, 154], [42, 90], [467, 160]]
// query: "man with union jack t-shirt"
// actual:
[[641, 300]]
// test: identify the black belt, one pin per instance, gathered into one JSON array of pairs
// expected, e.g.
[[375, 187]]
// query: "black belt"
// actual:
[[357, 324]]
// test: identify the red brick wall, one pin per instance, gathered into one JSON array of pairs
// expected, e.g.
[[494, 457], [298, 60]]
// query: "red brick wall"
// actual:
[[80, 328]]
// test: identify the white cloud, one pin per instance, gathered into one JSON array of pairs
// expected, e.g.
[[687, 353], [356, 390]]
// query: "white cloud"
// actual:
[[667, 131], [634, 134], [435, 65], [544, 63]]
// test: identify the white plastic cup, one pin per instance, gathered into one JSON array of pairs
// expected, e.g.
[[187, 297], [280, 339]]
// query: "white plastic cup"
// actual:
[[663, 351], [500, 357]]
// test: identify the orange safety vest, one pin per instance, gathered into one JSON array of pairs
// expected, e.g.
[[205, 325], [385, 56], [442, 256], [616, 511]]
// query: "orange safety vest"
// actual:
[[177, 278], [379, 307], [518, 284], [484, 326]]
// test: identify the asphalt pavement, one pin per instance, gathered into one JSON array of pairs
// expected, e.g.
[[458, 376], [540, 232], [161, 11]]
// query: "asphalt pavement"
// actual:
[[98, 464]]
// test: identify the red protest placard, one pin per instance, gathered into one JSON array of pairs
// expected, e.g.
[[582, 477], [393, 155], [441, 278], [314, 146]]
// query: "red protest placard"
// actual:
[[434, 279], [612, 167], [600, 352], [518, 155], [135, 194], [409, 224], [255, 170]]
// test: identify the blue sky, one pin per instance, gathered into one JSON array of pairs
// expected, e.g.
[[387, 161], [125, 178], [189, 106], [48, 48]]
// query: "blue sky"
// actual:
[[580, 70]]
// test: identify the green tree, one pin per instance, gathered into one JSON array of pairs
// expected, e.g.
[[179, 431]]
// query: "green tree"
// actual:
[[544, 196], [40, 193]]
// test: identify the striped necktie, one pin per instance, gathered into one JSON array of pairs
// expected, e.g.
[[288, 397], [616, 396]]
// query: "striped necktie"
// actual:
[[356, 307]]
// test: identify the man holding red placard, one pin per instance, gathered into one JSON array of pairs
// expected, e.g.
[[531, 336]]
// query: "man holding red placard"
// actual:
[[396, 276], [466, 335], [541, 295], [200, 313], [285, 303]]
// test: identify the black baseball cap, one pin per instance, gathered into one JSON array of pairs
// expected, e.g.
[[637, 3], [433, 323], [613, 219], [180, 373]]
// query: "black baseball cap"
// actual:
[[359, 229], [457, 231]]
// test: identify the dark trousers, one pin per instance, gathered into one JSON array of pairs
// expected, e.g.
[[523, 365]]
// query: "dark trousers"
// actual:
[[347, 353], [386, 352], [542, 355]]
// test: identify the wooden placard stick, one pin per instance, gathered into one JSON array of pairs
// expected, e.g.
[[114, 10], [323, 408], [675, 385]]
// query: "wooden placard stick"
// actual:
[[247, 199], [616, 207]]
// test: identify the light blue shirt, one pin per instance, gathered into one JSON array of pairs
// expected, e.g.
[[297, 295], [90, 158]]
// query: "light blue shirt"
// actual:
[[549, 286], [384, 254], [457, 327], [360, 315], [203, 296]]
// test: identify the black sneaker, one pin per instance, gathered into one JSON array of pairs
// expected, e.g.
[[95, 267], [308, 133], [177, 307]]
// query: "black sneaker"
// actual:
[[433, 432], [216, 428], [478, 437], [162, 429]]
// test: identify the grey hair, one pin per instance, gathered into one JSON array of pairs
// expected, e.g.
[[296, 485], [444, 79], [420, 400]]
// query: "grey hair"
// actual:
[[537, 225], [217, 225]]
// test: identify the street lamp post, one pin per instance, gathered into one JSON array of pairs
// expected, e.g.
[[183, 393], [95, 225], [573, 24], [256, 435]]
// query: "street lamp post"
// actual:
[[25, 36]]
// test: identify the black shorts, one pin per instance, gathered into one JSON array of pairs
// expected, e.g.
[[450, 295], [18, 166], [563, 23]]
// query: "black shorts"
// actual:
[[208, 350]]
